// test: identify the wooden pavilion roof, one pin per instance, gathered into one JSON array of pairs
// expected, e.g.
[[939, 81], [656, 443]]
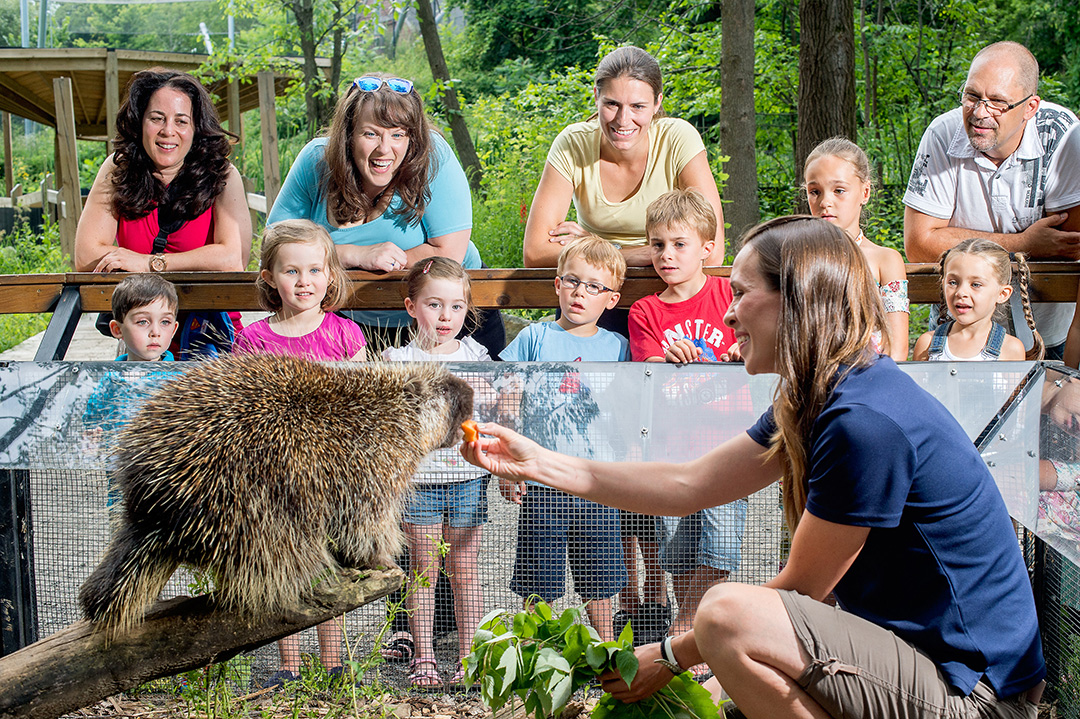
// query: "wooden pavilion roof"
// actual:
[[26, 82]]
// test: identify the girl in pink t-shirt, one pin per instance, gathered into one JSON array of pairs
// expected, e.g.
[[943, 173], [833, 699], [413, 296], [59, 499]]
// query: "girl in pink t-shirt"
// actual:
[[302, 283]]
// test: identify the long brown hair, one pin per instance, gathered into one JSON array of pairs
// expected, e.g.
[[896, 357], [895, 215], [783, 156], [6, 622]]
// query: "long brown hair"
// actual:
[[135, 189], [830, 309], [341, 180]]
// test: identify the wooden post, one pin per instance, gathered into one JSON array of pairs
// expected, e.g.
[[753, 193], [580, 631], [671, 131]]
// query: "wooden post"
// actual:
[[236, 124], [9, 166], [249, 186], [112, 97], [67, 165], [268, 121], [47, 210]]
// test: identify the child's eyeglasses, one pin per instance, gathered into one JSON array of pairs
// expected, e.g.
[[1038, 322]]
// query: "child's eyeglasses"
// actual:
[[593, 288], [370, 84]]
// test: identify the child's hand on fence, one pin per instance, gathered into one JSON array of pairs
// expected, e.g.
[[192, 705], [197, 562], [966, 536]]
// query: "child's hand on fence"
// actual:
[[512, 491], [682, 352], [732, 353]]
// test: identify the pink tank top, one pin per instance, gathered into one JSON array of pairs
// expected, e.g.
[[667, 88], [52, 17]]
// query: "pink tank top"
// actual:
[[138, 235]]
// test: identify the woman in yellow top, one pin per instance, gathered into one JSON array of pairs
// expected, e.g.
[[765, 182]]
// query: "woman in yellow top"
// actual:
[[615, 164]]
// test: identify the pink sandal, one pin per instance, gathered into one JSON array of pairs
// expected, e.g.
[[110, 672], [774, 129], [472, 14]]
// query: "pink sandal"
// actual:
[[424, 678]]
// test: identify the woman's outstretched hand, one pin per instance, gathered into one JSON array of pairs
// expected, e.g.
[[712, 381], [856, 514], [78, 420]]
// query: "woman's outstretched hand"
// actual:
[[504, 453], [651, 677]]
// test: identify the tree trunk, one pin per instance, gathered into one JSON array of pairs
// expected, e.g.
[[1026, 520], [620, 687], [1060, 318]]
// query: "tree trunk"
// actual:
[[826, 74], [738, 125], [304, 12], [460, 132], [76, 667]]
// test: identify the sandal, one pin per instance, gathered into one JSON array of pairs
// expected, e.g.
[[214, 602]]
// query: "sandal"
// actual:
[[399, 648], [424, 679], [457, 682]]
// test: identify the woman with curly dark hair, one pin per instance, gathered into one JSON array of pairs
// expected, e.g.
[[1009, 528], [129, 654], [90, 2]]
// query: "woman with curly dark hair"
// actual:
[[389, 190], [168, 198]]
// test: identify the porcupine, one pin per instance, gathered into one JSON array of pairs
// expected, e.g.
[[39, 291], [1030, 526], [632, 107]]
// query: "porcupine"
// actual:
[[266, 471]]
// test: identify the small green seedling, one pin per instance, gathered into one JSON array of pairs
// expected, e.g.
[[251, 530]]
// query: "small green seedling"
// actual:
[[541, 660]]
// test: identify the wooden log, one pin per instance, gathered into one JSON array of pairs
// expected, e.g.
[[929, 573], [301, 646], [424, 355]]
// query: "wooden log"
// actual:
[[76, 667]]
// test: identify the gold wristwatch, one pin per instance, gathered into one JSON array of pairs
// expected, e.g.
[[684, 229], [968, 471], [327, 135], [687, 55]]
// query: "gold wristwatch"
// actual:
[[158, 263]]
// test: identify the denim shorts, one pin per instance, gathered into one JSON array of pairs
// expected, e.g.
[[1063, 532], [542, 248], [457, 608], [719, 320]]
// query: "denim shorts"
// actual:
[[553, 527], [861, 670], [711, 537], [456, 504]]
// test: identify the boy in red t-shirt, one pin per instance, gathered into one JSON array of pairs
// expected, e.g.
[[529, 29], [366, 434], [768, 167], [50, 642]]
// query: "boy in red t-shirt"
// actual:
[[683, 324]]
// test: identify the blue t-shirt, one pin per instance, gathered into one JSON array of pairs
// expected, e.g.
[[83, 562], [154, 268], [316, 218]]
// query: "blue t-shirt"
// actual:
[[941, 566], [558, 405], [548, 342], [449, 210]]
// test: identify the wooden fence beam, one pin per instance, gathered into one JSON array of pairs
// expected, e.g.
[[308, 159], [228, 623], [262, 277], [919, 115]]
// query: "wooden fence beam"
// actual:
[[491, 288]]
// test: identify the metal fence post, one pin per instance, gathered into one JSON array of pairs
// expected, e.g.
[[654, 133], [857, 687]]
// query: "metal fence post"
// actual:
[[18, 595]]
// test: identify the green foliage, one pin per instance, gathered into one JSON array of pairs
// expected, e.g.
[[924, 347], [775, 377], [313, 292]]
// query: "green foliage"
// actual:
[[512, 133], [21, 253], [172, 28], [541, 660], [508, 43]]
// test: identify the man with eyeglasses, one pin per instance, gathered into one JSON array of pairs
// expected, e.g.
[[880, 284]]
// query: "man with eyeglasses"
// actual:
[[1005, 166]]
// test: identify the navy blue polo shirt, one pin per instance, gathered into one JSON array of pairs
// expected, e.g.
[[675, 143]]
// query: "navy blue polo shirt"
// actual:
[[941, 566]]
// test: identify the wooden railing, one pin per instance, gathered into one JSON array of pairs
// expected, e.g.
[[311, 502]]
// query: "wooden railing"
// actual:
[[68, 295]]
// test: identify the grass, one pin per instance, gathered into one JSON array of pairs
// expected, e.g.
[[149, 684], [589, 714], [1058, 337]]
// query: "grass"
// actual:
[[22, 252]]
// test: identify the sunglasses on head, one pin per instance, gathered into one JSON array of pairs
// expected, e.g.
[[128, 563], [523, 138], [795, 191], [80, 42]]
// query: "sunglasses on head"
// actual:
[[370, 84]]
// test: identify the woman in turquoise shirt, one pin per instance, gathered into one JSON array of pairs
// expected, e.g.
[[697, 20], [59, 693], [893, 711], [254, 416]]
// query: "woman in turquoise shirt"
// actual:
[[388, 189]]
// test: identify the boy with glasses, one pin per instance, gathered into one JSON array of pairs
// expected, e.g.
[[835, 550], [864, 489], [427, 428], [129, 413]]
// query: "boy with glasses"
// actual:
[[557, 409], [1004, 166]]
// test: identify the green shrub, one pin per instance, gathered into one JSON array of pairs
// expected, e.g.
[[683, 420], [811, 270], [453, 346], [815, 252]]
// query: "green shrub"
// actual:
[[22, 252]]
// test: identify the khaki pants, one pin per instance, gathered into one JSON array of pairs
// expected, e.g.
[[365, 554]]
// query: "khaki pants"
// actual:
[[859, 670]]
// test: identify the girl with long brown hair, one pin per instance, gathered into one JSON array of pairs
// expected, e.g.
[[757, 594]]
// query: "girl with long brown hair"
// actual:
[[890, 506]]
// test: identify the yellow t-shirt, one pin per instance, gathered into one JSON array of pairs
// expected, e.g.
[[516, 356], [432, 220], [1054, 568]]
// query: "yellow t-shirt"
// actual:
[[575, 154]]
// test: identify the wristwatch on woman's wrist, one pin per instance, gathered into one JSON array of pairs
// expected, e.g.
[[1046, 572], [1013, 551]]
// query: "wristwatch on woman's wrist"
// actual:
[[158, 263]]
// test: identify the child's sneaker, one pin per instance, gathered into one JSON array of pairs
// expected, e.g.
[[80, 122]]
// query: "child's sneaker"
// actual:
[[279, 679]]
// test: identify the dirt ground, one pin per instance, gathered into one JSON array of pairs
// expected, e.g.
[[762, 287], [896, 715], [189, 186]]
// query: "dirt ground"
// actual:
[[283, 705]]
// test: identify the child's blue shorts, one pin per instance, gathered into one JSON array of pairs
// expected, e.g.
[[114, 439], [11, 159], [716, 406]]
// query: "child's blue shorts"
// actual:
[[456, 504], [711, 537], [554, 526]]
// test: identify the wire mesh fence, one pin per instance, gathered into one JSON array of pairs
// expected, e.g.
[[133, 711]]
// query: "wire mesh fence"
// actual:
[[59, 422]]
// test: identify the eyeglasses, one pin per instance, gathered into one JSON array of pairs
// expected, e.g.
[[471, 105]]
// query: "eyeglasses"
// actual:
[[370, 84], [593, 288], [971, 101]]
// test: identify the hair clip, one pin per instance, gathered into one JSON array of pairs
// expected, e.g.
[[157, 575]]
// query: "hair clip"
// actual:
[[428, 266]]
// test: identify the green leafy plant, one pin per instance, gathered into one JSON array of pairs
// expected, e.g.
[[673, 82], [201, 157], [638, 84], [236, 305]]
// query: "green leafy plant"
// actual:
[[542, 659]]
